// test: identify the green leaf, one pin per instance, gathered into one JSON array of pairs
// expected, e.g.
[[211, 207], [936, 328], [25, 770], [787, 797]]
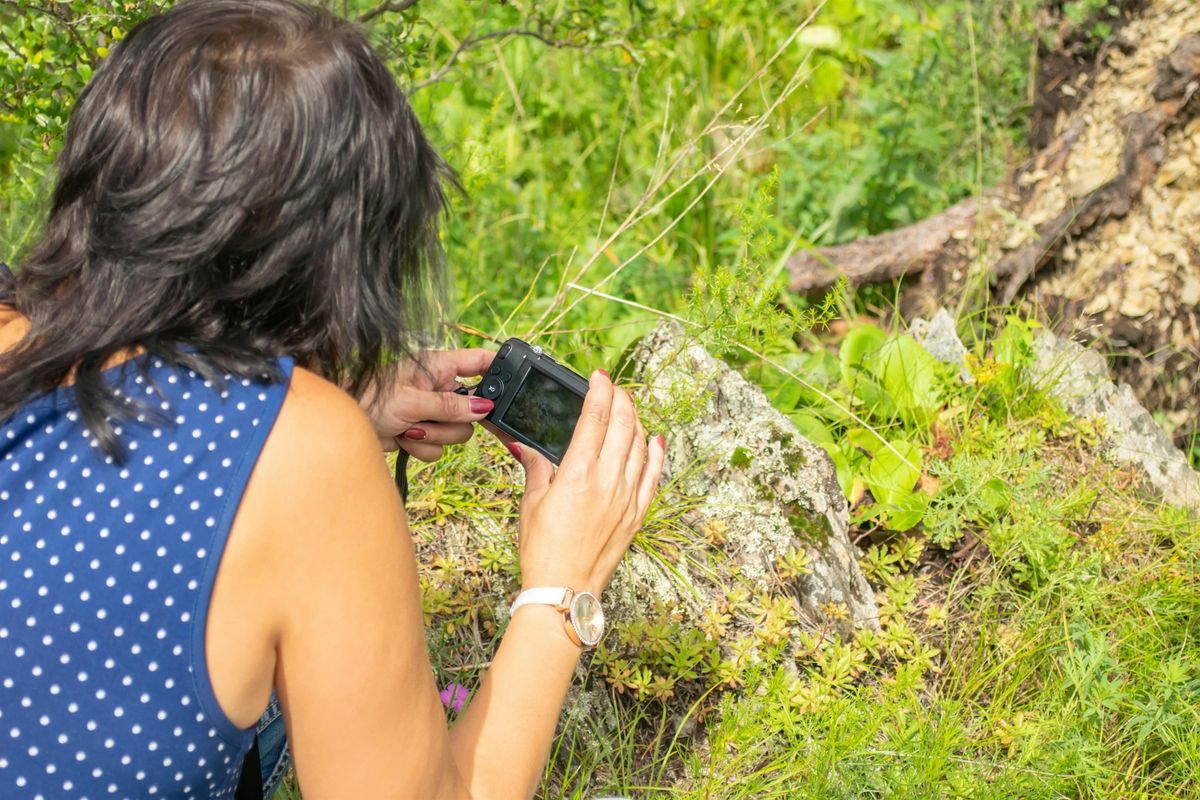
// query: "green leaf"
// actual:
[[993, 497], [864, 439], [786, 394], [811, 427], [909, 375], [891, 477], [1014, 345], [859, 344], [908, 512]]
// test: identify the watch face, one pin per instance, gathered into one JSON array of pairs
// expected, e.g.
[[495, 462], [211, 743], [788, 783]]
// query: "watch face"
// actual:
[[588, 618]]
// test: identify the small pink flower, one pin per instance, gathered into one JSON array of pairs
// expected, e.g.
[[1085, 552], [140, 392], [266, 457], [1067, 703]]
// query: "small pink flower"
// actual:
[[455, 696]]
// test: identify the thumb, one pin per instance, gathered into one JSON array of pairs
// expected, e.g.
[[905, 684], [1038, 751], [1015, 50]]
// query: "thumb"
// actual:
[[538, 469]]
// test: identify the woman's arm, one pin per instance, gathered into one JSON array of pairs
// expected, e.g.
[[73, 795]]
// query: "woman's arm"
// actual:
[[322, 523]]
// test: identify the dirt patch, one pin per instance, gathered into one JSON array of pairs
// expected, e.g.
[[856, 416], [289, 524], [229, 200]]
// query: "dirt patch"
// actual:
[[1067, 58]]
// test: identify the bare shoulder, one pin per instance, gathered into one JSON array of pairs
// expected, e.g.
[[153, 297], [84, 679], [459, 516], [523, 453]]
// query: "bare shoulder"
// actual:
[[319, 419], [320, 458]]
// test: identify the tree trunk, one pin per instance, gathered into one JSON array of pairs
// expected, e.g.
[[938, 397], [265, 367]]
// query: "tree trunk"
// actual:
[[1094, 232]]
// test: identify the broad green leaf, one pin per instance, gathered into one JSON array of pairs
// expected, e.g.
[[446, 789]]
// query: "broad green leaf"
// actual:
[[811, 427], [994, 497], [865, 439], [858, 345], [890, 477], [786, 394], [909, 375], [908, 512]]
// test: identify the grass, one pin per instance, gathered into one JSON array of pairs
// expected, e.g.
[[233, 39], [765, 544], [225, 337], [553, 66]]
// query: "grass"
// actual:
[[1065, 627], [1038, 639]]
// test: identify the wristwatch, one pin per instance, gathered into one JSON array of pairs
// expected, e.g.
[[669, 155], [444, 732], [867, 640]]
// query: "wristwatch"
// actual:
[[582, 615]]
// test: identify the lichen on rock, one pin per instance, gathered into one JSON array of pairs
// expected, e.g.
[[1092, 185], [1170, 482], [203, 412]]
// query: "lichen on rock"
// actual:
[[747, 467], [1079, 379]]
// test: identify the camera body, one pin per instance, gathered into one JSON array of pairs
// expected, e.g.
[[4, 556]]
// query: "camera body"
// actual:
[[538, 400]]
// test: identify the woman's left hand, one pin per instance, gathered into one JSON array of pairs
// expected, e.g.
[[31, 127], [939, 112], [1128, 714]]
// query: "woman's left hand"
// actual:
[[420, 413]]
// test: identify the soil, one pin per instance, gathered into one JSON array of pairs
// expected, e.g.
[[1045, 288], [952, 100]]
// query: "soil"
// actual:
[[1132, 284]]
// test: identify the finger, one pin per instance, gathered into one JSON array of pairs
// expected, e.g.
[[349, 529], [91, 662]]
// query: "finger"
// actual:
[[538, 469], [651, 474], [635, 464], [442, 433], [622, 429], [422, 451], [592, 427], [446, 365], [415, 406]]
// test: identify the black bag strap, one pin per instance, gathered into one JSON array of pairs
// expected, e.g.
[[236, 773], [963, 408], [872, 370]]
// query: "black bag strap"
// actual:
[[250, 783]]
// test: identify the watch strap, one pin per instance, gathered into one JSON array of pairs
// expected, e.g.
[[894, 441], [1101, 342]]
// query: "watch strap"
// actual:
[[557, 596]]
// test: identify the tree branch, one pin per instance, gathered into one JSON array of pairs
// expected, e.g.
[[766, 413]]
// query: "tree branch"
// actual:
[[389, 7], [471, 42]]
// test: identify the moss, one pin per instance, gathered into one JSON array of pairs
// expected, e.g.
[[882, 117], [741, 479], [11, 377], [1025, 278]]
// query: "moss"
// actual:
[[740, 458], [809, 527], [785, 439]]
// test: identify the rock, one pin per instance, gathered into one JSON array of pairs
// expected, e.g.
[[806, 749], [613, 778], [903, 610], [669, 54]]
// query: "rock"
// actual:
[[1079, 379], [939, 336], [750, 473]]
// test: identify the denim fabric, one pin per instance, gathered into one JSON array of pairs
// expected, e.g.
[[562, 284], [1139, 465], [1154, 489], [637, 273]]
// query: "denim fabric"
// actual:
[[273, 753], [6, 279]]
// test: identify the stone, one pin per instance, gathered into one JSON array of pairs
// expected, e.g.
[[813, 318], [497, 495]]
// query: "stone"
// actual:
[[749, 472], [1080, 380], [939, 336]]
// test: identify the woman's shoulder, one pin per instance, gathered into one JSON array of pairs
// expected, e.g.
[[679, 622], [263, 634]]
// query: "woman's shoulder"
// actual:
[[322, 444], [321, 416]]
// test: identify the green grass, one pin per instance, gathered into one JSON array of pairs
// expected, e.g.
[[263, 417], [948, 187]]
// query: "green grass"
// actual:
[[1039, 629]]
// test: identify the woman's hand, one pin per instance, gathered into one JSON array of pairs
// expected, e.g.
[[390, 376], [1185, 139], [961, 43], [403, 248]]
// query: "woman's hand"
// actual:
[[420, 413], [576, 524]]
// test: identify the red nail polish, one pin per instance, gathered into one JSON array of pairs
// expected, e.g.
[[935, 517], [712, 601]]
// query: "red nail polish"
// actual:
[[661, 441], [481, 405], [415, 433], [515, 449], [603, 372]]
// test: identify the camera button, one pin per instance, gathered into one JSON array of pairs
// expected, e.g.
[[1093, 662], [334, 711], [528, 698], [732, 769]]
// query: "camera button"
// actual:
[[504, 351], [506, 376], [492, 388]]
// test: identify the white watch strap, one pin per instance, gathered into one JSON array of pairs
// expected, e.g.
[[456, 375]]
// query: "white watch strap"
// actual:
[[541, 596]]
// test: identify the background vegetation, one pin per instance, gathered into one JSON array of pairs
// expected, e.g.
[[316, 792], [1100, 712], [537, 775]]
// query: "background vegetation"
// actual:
[[626, 161]]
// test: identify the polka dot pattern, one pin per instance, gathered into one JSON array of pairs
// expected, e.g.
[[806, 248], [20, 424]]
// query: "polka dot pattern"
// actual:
[[106, 571]]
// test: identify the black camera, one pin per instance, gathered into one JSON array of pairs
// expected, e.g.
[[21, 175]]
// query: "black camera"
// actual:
[[538, 400]]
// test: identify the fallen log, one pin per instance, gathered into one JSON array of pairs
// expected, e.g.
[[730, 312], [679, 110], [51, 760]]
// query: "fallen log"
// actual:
[[1030, 219]]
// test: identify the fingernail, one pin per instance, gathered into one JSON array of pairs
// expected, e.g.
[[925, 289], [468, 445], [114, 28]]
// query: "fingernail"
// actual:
[[661, 441], [603, 372], [415, 433], [515, 449], [481, 405]]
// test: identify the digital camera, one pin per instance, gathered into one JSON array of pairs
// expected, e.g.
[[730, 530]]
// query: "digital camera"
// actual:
[[538, 400]]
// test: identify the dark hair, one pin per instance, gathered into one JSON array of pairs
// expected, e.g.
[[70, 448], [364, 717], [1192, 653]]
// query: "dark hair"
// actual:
[[240, 181]]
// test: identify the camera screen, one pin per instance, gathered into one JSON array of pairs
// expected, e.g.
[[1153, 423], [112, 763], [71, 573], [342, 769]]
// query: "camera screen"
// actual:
[[545, 411]]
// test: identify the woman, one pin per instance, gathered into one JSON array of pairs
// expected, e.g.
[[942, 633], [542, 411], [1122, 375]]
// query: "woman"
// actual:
[[194, 509]]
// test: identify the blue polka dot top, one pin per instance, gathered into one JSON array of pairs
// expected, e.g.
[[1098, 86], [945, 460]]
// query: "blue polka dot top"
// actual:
[[106, 571]]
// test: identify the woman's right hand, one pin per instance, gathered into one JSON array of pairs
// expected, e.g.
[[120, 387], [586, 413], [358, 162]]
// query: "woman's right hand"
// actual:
[[577, 523]]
